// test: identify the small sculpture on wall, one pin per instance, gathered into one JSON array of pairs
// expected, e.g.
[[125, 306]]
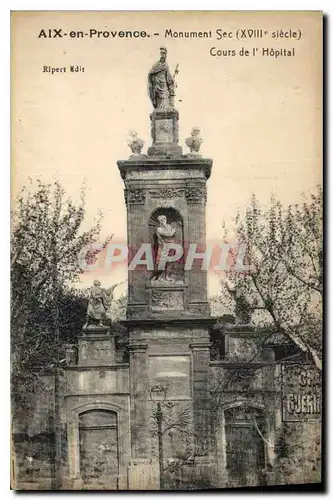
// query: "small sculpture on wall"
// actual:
[[135, 144], [96, 306], [194, 142]]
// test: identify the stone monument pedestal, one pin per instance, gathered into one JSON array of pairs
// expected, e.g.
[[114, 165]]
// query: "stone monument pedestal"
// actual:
[[164, 132], [96, 346]]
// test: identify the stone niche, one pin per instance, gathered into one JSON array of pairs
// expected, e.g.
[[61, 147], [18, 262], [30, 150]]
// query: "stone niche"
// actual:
[[174, 221]]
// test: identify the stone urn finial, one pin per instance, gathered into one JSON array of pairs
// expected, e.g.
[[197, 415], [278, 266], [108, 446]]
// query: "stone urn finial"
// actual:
[[194, 142], [135, 144]]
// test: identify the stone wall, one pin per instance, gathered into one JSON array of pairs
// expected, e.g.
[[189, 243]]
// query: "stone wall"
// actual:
[[33, 436], [215, 410], [251, 385]]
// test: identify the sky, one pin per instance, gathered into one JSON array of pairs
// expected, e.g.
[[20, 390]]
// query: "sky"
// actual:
[[260, 117]]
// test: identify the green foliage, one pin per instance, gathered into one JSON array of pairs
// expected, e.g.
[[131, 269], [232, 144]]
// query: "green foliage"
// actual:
[[72, 312], [284, 286], [47, 237], [298, 453]]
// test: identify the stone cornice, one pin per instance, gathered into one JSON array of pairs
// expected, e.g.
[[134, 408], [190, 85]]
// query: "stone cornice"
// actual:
[[170, 113], [79, 368], [160, 321], [165, 164], [243, 365], [138, 347], [96, 394], [200, 346]]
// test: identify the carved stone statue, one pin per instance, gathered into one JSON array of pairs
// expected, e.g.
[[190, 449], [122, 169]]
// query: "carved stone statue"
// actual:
[[96, 308], [135, 143], [161, 84], [194, 142], [99, 305], [165, 234]]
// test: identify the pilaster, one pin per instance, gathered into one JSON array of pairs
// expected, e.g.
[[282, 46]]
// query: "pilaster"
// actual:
[[140, 439], [200, 360]]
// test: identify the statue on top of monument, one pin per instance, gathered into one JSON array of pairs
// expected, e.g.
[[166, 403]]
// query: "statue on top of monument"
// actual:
[[162, 84]]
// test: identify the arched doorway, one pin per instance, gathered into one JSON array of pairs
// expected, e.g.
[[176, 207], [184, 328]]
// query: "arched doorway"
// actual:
[[245, 447], [99, 453]]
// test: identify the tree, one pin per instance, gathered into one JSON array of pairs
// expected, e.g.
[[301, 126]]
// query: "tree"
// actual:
[[47, 237], [284, 283]]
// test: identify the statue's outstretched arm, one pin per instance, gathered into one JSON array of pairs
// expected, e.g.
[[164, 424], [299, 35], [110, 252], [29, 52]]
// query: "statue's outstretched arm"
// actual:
[[115, 286]]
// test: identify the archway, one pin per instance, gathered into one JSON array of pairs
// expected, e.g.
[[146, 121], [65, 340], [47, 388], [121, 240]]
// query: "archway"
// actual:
[[99, 450], [113, 416], [245, 447]]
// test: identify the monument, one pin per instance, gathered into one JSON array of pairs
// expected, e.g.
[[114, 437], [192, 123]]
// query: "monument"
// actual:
[[181, 393], [164, 118], [147, 404], [168, 313]]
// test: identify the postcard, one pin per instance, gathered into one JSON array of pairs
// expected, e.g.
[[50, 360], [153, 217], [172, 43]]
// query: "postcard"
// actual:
[[166, 250]]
